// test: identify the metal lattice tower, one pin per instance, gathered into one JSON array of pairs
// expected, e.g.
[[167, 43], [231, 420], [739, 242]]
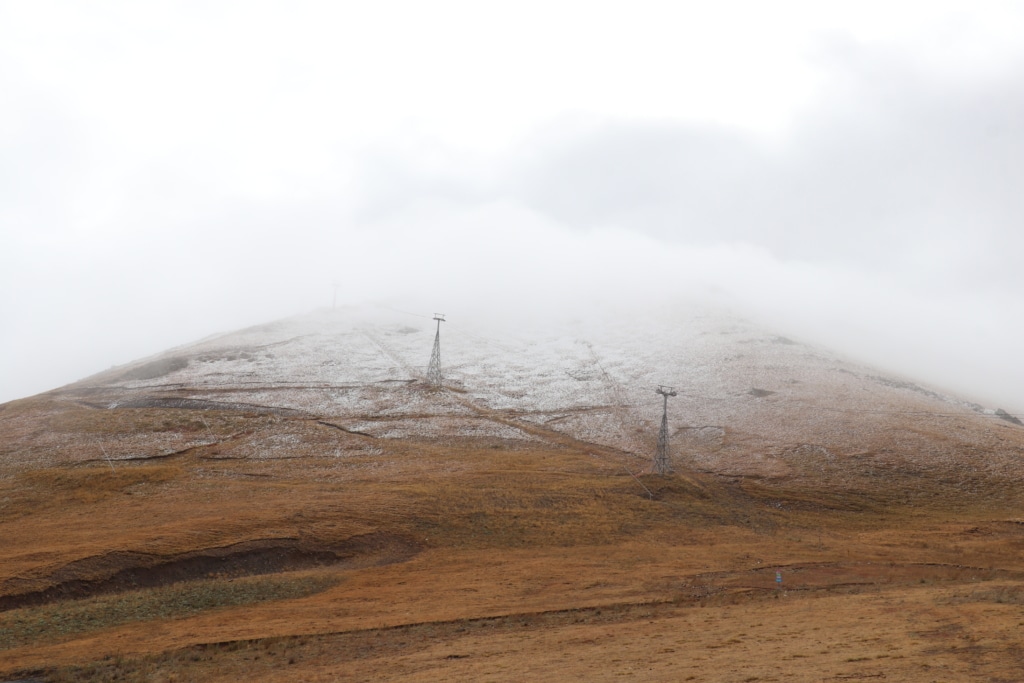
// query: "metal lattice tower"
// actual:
[[434, 369], [662, 461]]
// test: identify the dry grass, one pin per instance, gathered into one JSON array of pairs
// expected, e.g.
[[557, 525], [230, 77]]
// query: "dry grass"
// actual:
[[540, 561], [73, 618]]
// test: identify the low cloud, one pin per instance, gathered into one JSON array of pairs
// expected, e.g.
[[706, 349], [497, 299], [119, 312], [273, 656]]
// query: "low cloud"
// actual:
[[883, 223]]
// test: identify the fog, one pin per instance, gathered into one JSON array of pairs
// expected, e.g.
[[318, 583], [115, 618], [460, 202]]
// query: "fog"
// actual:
[[849, 175]]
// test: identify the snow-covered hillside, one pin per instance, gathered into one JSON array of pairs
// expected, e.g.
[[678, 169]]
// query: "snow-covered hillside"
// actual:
[[749, 401]]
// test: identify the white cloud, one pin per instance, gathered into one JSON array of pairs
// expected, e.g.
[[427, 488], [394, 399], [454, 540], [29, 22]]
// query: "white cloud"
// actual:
[[848, 170]]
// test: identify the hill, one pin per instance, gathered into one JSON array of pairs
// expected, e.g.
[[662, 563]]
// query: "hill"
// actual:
[[295, 501]]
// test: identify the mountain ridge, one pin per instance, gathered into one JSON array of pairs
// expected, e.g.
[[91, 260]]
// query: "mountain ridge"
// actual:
[[767, 391]]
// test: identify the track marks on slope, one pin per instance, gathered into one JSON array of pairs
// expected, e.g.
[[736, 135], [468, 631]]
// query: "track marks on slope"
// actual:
[[391, 354]]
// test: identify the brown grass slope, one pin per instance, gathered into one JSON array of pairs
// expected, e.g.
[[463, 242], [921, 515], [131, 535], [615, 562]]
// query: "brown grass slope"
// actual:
[[293, 503]]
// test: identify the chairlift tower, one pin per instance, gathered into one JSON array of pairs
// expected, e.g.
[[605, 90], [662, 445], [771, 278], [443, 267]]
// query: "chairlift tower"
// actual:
[[662, 461], [434, 369]]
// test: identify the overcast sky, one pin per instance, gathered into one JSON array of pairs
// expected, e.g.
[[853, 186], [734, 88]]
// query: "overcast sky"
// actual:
[[849, 173]]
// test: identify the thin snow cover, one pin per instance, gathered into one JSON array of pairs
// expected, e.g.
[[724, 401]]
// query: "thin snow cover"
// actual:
[[748, 400]]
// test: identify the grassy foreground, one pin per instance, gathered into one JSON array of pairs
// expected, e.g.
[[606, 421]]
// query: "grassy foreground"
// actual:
[[470, 560]]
